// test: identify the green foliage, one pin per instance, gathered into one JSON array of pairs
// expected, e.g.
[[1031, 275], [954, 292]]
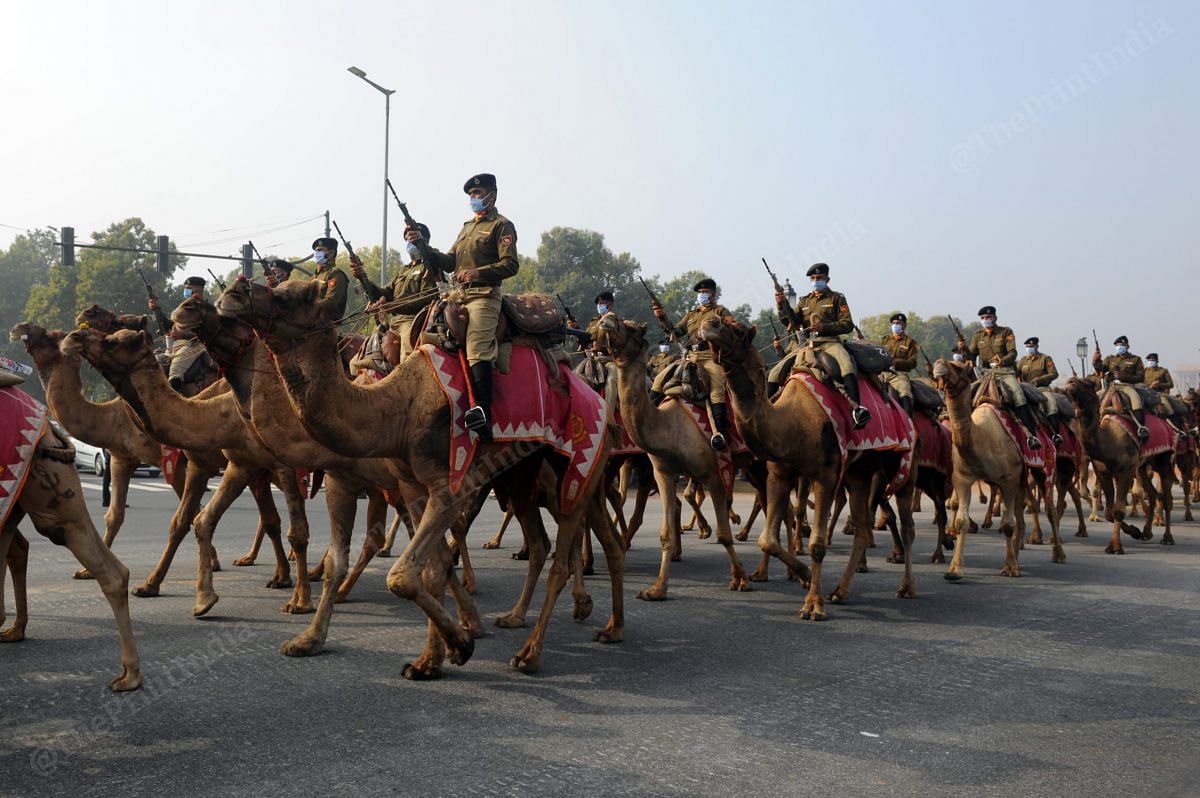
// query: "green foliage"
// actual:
[[25, 266], [935, 335]]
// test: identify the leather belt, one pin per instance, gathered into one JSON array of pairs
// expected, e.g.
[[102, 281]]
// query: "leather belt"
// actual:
[[476, 285], [698, 348]]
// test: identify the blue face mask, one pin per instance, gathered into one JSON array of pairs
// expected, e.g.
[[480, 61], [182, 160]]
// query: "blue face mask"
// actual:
[[820, 285], [187, 292], [705, 298], [897, 329], [411, 249], [321, 257], [1122, 349], [1031, 350], [1152, 364], [958, 357], [664, 348], [988, 323], [478, 204], [601, 310]]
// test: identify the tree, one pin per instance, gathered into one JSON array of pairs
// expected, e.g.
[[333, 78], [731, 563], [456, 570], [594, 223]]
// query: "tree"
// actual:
[[25, 265], [935, 335]]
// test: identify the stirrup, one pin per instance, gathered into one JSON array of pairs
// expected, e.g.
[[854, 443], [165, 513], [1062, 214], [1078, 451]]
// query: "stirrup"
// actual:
[[1058, 439], [476, 420], [1033, 442], [717, 441], [861, 416], [1143, 433]]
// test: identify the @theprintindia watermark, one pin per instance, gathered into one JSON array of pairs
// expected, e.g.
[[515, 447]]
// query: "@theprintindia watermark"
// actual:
[[994, 135]]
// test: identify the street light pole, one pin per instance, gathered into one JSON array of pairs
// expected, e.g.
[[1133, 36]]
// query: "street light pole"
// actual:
[[387, 123]]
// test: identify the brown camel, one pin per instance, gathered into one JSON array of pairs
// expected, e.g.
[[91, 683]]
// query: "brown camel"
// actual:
[[264, 407], [201, 425], [795, 434], [415, 417], [984, 452], [1117, 460], [108, 425], [676, 446], [52, 497]]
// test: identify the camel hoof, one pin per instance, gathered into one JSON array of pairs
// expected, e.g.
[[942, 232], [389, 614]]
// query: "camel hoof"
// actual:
[[952, 576], [126, 681], [1166, 541], [523, 554], [609, 635], [837, 597], [14, 634], [82, 573], [704, 534], [1034, 540], [812, 614], [973, 528], [583, 608], [1147, 534], [422, 674], [862, 568], [280, 584], [510, 621], [460, 653], [341, 596], [297, 608], [492, 544], [526, 665], [316, 574], [145, 591], [906, 592], [739, 584], [1081, 533], [589, 570], [986, 525], [1059, 555], [760, 576], [937, 558], [242, 562], [216, 566], [653, 594], [897, 558], [742, 536], [1010, 572], [303, 646], [385, 553], [204, 604], [1111, 549], [468, 584]]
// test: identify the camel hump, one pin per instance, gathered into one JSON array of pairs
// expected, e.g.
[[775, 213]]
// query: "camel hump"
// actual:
[[532, 313]]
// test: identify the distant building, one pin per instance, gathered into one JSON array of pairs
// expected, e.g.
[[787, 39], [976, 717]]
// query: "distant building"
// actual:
[[1186, 376]]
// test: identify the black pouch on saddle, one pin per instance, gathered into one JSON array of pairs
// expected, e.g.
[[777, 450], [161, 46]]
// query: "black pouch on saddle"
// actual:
[[926, 397], [868, 358], [1033, 396]]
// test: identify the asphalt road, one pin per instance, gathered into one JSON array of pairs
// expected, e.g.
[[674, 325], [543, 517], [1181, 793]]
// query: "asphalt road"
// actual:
[[1076, 679]]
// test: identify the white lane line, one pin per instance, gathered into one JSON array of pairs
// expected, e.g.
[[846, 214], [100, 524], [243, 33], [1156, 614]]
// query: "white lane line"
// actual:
[[132, 486]]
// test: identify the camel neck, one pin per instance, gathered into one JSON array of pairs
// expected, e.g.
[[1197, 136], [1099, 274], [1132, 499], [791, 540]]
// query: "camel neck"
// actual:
[[640, 415], [962, 426], [199, 424], [96, 423]]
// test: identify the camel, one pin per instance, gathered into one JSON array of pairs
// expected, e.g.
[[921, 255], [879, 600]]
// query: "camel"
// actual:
[[108, 425], [1117, 460], [201, 425], [676, 446], [984, 451], [52, 497], [795, 435], [406, 416]]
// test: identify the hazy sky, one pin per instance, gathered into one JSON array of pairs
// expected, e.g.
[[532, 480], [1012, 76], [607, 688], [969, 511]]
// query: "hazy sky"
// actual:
[[1037, 156]]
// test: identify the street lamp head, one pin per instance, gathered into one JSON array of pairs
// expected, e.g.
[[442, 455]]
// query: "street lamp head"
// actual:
[[356, 71], [1081, 347]]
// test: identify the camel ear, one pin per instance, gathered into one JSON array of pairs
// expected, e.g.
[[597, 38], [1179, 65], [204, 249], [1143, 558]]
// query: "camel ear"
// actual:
[[751, 331], [643, 327], [147, 339]]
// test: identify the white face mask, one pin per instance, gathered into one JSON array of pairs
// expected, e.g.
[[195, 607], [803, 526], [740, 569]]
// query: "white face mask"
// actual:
[[1031, 350], [958, 357], [664, 348], [601, 309], [705, 298], [1152, 363], [897, 329]]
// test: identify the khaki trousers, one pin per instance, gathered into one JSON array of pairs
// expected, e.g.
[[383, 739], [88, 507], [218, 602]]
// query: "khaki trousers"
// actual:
[[483, 314]]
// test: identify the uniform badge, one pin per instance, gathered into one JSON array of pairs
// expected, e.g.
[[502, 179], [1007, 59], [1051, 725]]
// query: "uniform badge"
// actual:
[[330, 283], [506, 240]]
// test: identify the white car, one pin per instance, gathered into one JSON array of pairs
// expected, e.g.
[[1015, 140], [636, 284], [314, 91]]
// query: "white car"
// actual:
[[92, 457]]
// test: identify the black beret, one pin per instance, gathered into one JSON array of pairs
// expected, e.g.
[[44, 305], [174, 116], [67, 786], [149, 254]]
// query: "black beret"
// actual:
[[662, 341], [1121, 339], [987, 310], [899, 317], [707, 284], [1152, 356], [282, 265], [424, 230], [818, 269], [1031, 341], [604, 296], [328, 243], [483, 180], [195, 281]]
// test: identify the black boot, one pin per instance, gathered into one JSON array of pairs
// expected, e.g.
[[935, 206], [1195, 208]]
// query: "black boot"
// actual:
[[1054, 428], [772, 389], [1140, 417], [720, 414], [1025, 413], [479, 418], [860, 414], [906, 403], [656, 397]]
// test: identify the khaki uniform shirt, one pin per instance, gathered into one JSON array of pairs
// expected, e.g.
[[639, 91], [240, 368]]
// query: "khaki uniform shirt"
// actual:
[[334, 288], [1127, 368], [1037, 369], [1159, 375], [660, 361], [415, 283], [903, 349], [830, 307], [485, 243], [999, 342], [689, 327]]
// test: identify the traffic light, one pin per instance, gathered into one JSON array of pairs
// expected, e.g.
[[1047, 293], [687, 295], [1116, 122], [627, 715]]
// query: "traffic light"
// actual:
[[247, 260], [164, 253], [68, 246]]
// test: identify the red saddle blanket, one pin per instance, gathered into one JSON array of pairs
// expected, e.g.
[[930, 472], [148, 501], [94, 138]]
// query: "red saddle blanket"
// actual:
[[933, 444], [1162, 437], [1042, 458], [23, 421], [1184, 444], [526, 408], [890, 428], [733, 439], [170, 462], [625, 444], [1071, 448]]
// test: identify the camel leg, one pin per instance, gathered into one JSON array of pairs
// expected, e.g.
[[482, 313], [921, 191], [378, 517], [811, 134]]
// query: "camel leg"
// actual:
[[458, 532], [860, 515], [744, 532], [666, 536], [233, 482], [523, 500], [937, 496], [616, 499], [720, 501], [53, 499], [639, 512], [1012, 500], [905, 498], [1116, 489], [583, 602], [1166, 478], [822, 491], [839, 504], [122, 469], [389, 539], [587, 561], [992, 502], [1033, 497], [963, 488], [376, 518], [696, 500], [614, 555], [494, 543], [1054, 517], [255, 546], [195, 482], [528, 659], [688, 496], [341, 501], [14, 555]]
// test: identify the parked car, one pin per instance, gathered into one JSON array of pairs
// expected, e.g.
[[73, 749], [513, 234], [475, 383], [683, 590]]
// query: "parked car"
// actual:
[[92, 457]]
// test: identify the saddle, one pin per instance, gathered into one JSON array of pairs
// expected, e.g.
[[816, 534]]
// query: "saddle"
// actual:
[[1065, 407], [687, 382], [927, 398], [868, 359], [594, 371]]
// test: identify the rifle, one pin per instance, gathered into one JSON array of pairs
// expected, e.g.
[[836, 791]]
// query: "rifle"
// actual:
[[779, 289], [567, 310], [1074, 373], [368, 287], [858, 334], [268, 275], [164, 324], [663, 321], [928, 362], [216, 279], [411, 224], [572, 328]]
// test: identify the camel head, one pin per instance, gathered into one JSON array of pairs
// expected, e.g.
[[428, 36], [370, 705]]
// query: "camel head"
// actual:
[[952, 377], [104, 320], [1082, 393], [114, 356], [624, 340], [734, 341], [40, 343], [194, 313], [280, 314]]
